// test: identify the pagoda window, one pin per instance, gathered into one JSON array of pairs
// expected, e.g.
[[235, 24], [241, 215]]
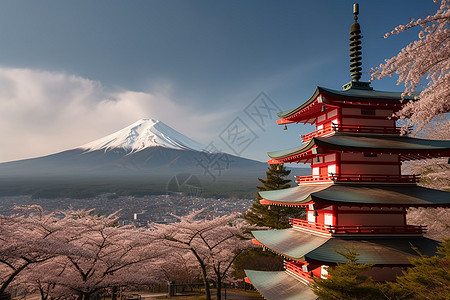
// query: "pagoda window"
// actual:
[[351, 111], [330, 158], [370, 154], [327, 122], [384, 112], [334, 122], [324, 159], [316, 171], [305, 268], [331, 169], [321, 118], [368, 112], [328, 219], [323, 272], [311, 216], [332, 113]]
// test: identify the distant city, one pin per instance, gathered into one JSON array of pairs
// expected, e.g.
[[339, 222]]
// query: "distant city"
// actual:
[[137, 211]]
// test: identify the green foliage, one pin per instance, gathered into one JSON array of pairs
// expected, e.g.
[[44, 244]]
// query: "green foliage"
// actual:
[[256, 259], [347, 281], [275, 179], [273, 216], [429, 278]]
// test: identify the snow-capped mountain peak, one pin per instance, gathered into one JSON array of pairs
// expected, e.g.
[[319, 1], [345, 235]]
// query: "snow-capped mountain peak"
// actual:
[[142, 134]]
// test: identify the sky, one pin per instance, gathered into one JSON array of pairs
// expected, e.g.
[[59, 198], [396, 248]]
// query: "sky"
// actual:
[[75, 71]]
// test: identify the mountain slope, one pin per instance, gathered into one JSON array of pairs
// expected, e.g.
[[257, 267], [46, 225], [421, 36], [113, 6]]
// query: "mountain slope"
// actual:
[[143, 134]]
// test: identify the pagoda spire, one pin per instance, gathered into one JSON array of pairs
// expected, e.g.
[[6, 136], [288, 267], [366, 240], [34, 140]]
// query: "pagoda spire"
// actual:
[[355, 47], [355, 54]]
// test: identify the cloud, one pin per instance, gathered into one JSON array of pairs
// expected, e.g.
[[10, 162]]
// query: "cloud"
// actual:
[[44, 112]]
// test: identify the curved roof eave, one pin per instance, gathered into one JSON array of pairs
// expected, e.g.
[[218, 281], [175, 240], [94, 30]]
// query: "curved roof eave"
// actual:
[[291, 151], [360, 194], [289, 242], [351, 93], [288, 113], [299, 245], [377, 142], [293, 196], [279, 285], [364, 142], [379, 251]]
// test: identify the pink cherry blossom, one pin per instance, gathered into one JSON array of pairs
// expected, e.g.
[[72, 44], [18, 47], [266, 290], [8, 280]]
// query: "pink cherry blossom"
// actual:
[[423, 64]]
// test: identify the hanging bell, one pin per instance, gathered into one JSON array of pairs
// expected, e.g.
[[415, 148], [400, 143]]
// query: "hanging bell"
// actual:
[[285, 127]]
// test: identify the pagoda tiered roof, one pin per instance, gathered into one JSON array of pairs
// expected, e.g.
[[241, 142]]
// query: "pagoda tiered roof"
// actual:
[[298, 245], [279, 285], [407, 195], [354, 97], [407, 147], [356, 197]]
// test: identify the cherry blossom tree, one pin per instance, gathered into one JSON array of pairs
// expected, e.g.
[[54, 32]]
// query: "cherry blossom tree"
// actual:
[[437, 221], [214, 243], [62, 253], [178, 266], [39, 278], [29, 237], [423, 62], [117, 255]]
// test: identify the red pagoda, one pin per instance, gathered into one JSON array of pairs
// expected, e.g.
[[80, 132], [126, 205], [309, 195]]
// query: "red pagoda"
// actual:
[[356, 196]]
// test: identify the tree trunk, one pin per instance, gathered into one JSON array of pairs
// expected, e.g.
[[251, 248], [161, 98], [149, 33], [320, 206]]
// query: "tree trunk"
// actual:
[[219, 287], [42, 292], [11, 277], [204, 274], [85, 296], [114, 293], [5, 296]]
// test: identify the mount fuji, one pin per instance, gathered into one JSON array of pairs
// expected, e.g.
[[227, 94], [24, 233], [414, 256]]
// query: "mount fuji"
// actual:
[[146, 153], [145, 133]]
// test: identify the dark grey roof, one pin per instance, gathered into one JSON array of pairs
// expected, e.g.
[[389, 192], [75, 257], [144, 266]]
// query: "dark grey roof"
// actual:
[[289, 242], [300, 245], [360, 94], [279, 285], [370, 194], [369, 142], [295, 195], [381, 251]]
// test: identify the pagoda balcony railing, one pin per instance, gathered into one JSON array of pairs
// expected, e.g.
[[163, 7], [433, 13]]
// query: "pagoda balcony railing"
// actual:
[[313, 178], [358, 229], [378, 178], [350, 128], [297, 269], [320, 132], [367, 129], [311, 226]]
